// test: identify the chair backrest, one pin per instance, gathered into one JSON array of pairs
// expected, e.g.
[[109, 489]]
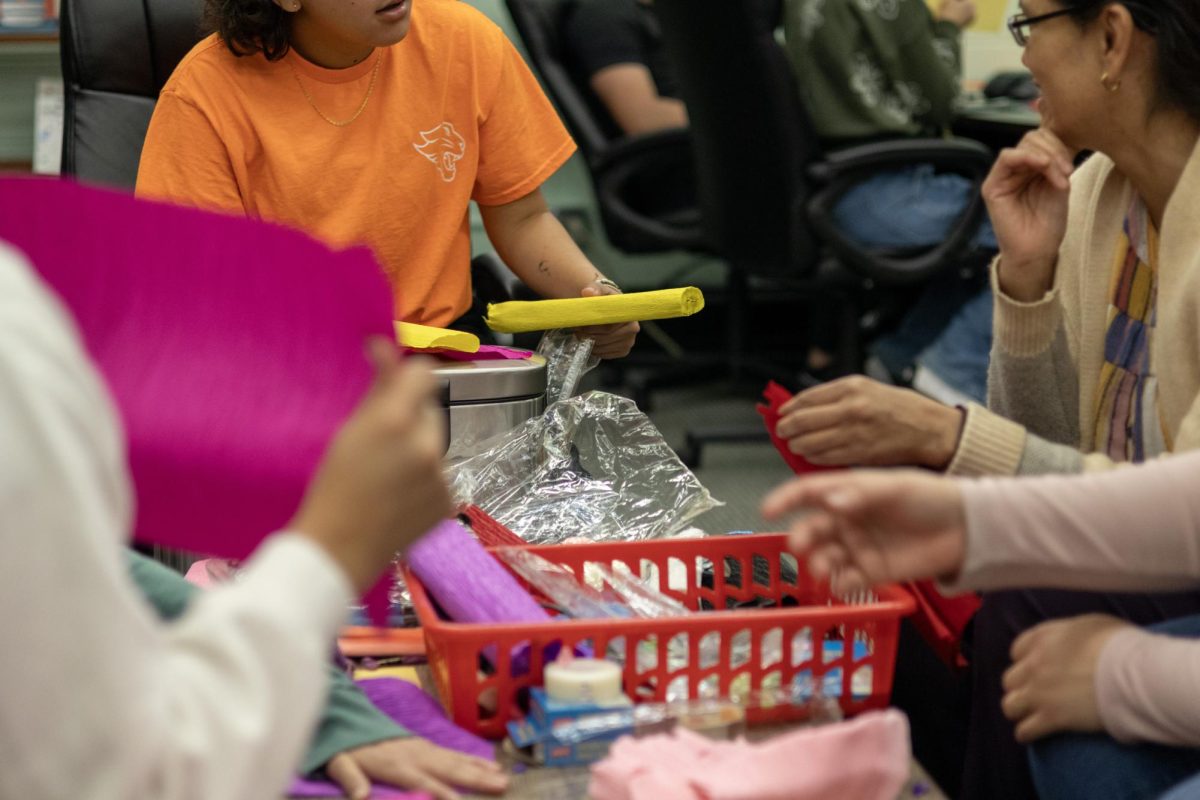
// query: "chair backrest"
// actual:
[[116, 56], [540, 24], [751, 136]]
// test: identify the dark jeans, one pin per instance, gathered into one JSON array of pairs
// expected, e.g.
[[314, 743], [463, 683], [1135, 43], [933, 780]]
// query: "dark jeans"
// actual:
[[997, 767], [1084, 766], [936, 700], [916, 207], [1188, 790]]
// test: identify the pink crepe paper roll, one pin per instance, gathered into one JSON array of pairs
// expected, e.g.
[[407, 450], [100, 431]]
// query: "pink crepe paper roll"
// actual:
[[232, 347]]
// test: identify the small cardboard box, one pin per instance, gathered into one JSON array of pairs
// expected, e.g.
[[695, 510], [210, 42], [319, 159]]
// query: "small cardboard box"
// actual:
[[546, 716]]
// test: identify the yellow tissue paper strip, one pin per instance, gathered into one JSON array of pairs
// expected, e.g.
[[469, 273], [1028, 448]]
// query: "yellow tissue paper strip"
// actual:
[[409, 674], [520, 316], [423, 337]]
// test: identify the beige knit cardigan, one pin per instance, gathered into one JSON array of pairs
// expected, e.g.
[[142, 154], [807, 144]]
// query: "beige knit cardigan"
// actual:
[[1047, 355]]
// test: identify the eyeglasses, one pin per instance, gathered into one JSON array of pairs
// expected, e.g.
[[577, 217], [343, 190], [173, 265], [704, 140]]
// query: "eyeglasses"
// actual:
[[1018, 25]]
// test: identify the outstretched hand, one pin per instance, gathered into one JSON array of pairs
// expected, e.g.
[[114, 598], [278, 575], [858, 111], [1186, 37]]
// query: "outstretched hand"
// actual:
[[873, 527], [856, 421]]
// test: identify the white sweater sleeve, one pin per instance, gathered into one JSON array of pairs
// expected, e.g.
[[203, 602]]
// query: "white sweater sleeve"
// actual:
[[98, 698]]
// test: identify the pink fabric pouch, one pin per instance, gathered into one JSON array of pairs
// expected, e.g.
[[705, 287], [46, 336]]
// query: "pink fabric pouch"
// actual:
[[866, 758]]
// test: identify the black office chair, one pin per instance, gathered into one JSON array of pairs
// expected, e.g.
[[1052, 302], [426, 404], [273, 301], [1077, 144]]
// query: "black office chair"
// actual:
[[116, 56], [644, 188], [767, 191]]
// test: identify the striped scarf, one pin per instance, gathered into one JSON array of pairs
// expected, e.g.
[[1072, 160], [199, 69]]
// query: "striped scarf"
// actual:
[[1127, 424]]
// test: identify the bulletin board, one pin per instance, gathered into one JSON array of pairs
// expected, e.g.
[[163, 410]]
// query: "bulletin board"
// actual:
[[990, 14]]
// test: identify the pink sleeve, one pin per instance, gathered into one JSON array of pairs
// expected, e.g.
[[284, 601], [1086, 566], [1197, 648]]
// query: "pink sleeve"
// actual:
[[1129, 529], [1146, 688]]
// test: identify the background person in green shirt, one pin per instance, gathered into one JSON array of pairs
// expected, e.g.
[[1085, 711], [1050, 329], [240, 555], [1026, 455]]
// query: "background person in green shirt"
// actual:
[[871, 70]]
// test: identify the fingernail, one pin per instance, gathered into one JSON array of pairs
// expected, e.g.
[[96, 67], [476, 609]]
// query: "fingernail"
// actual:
[[841, 499]]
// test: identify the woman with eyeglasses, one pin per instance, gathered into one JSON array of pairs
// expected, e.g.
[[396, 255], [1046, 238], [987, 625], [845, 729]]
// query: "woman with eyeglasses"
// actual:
[[1096, 355]]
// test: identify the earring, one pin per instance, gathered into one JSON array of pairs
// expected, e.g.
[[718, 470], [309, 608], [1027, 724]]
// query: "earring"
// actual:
[[1113, 87]]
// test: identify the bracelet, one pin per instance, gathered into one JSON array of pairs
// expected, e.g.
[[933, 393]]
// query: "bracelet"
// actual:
[[609, 283]]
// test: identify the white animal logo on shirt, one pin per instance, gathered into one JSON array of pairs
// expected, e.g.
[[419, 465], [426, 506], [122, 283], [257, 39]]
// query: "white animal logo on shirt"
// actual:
[[444, 147]]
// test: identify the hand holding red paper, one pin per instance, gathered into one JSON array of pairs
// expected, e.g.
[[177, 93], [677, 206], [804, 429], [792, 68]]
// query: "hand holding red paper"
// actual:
[[940, 620], [856, 421]]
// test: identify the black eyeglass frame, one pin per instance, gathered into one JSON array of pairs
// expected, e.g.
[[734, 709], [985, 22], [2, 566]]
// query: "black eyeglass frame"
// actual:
[[1018, 23]]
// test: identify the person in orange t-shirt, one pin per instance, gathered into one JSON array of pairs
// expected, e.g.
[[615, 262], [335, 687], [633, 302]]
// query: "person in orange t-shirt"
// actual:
[[375, 123]]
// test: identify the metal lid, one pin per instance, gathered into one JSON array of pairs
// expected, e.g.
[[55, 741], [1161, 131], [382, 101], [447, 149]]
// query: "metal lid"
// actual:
[[501, 379]]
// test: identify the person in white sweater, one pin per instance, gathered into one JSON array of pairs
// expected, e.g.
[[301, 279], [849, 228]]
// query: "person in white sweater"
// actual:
[[100, 699], [1085, 675]]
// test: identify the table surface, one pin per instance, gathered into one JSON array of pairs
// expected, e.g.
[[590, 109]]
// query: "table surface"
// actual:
[[571, 783], [1002, 110]]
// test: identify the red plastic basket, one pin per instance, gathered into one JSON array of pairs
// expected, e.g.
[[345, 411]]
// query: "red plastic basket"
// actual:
[[485, 703]]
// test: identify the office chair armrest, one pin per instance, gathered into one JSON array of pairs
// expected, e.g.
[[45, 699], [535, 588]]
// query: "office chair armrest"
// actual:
[[843, 169], [627, 159], [956, 155]]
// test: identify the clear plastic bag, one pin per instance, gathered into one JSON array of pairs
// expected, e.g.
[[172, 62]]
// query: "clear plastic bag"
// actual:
[[568, 359], [591, 466], [576, 600]]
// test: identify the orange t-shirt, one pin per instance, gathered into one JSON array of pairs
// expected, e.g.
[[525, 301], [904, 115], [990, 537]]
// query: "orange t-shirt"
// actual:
[[454, 115]]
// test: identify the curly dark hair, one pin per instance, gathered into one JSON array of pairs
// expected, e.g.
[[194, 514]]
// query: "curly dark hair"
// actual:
[[249, 26]]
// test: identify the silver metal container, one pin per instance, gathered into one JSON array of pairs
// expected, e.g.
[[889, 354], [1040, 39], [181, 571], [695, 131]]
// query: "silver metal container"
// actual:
[[486, 398]]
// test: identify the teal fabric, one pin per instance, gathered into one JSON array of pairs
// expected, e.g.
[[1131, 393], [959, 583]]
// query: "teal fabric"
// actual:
[[873, 69], [349, 719]]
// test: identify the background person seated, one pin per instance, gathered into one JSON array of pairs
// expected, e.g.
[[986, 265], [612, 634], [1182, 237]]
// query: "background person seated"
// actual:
[[615, 52], [880, 70]]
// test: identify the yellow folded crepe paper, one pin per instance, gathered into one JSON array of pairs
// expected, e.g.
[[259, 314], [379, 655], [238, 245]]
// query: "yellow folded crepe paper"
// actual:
[[543, 315], [423, 337], [409, 674]]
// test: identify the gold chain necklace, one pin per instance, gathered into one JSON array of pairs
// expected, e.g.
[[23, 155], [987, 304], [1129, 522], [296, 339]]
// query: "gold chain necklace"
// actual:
[[343, 122]]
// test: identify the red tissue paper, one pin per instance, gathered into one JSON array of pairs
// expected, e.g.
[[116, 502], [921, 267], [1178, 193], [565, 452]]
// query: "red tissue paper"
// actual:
[[940, 620], [776, 396]]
